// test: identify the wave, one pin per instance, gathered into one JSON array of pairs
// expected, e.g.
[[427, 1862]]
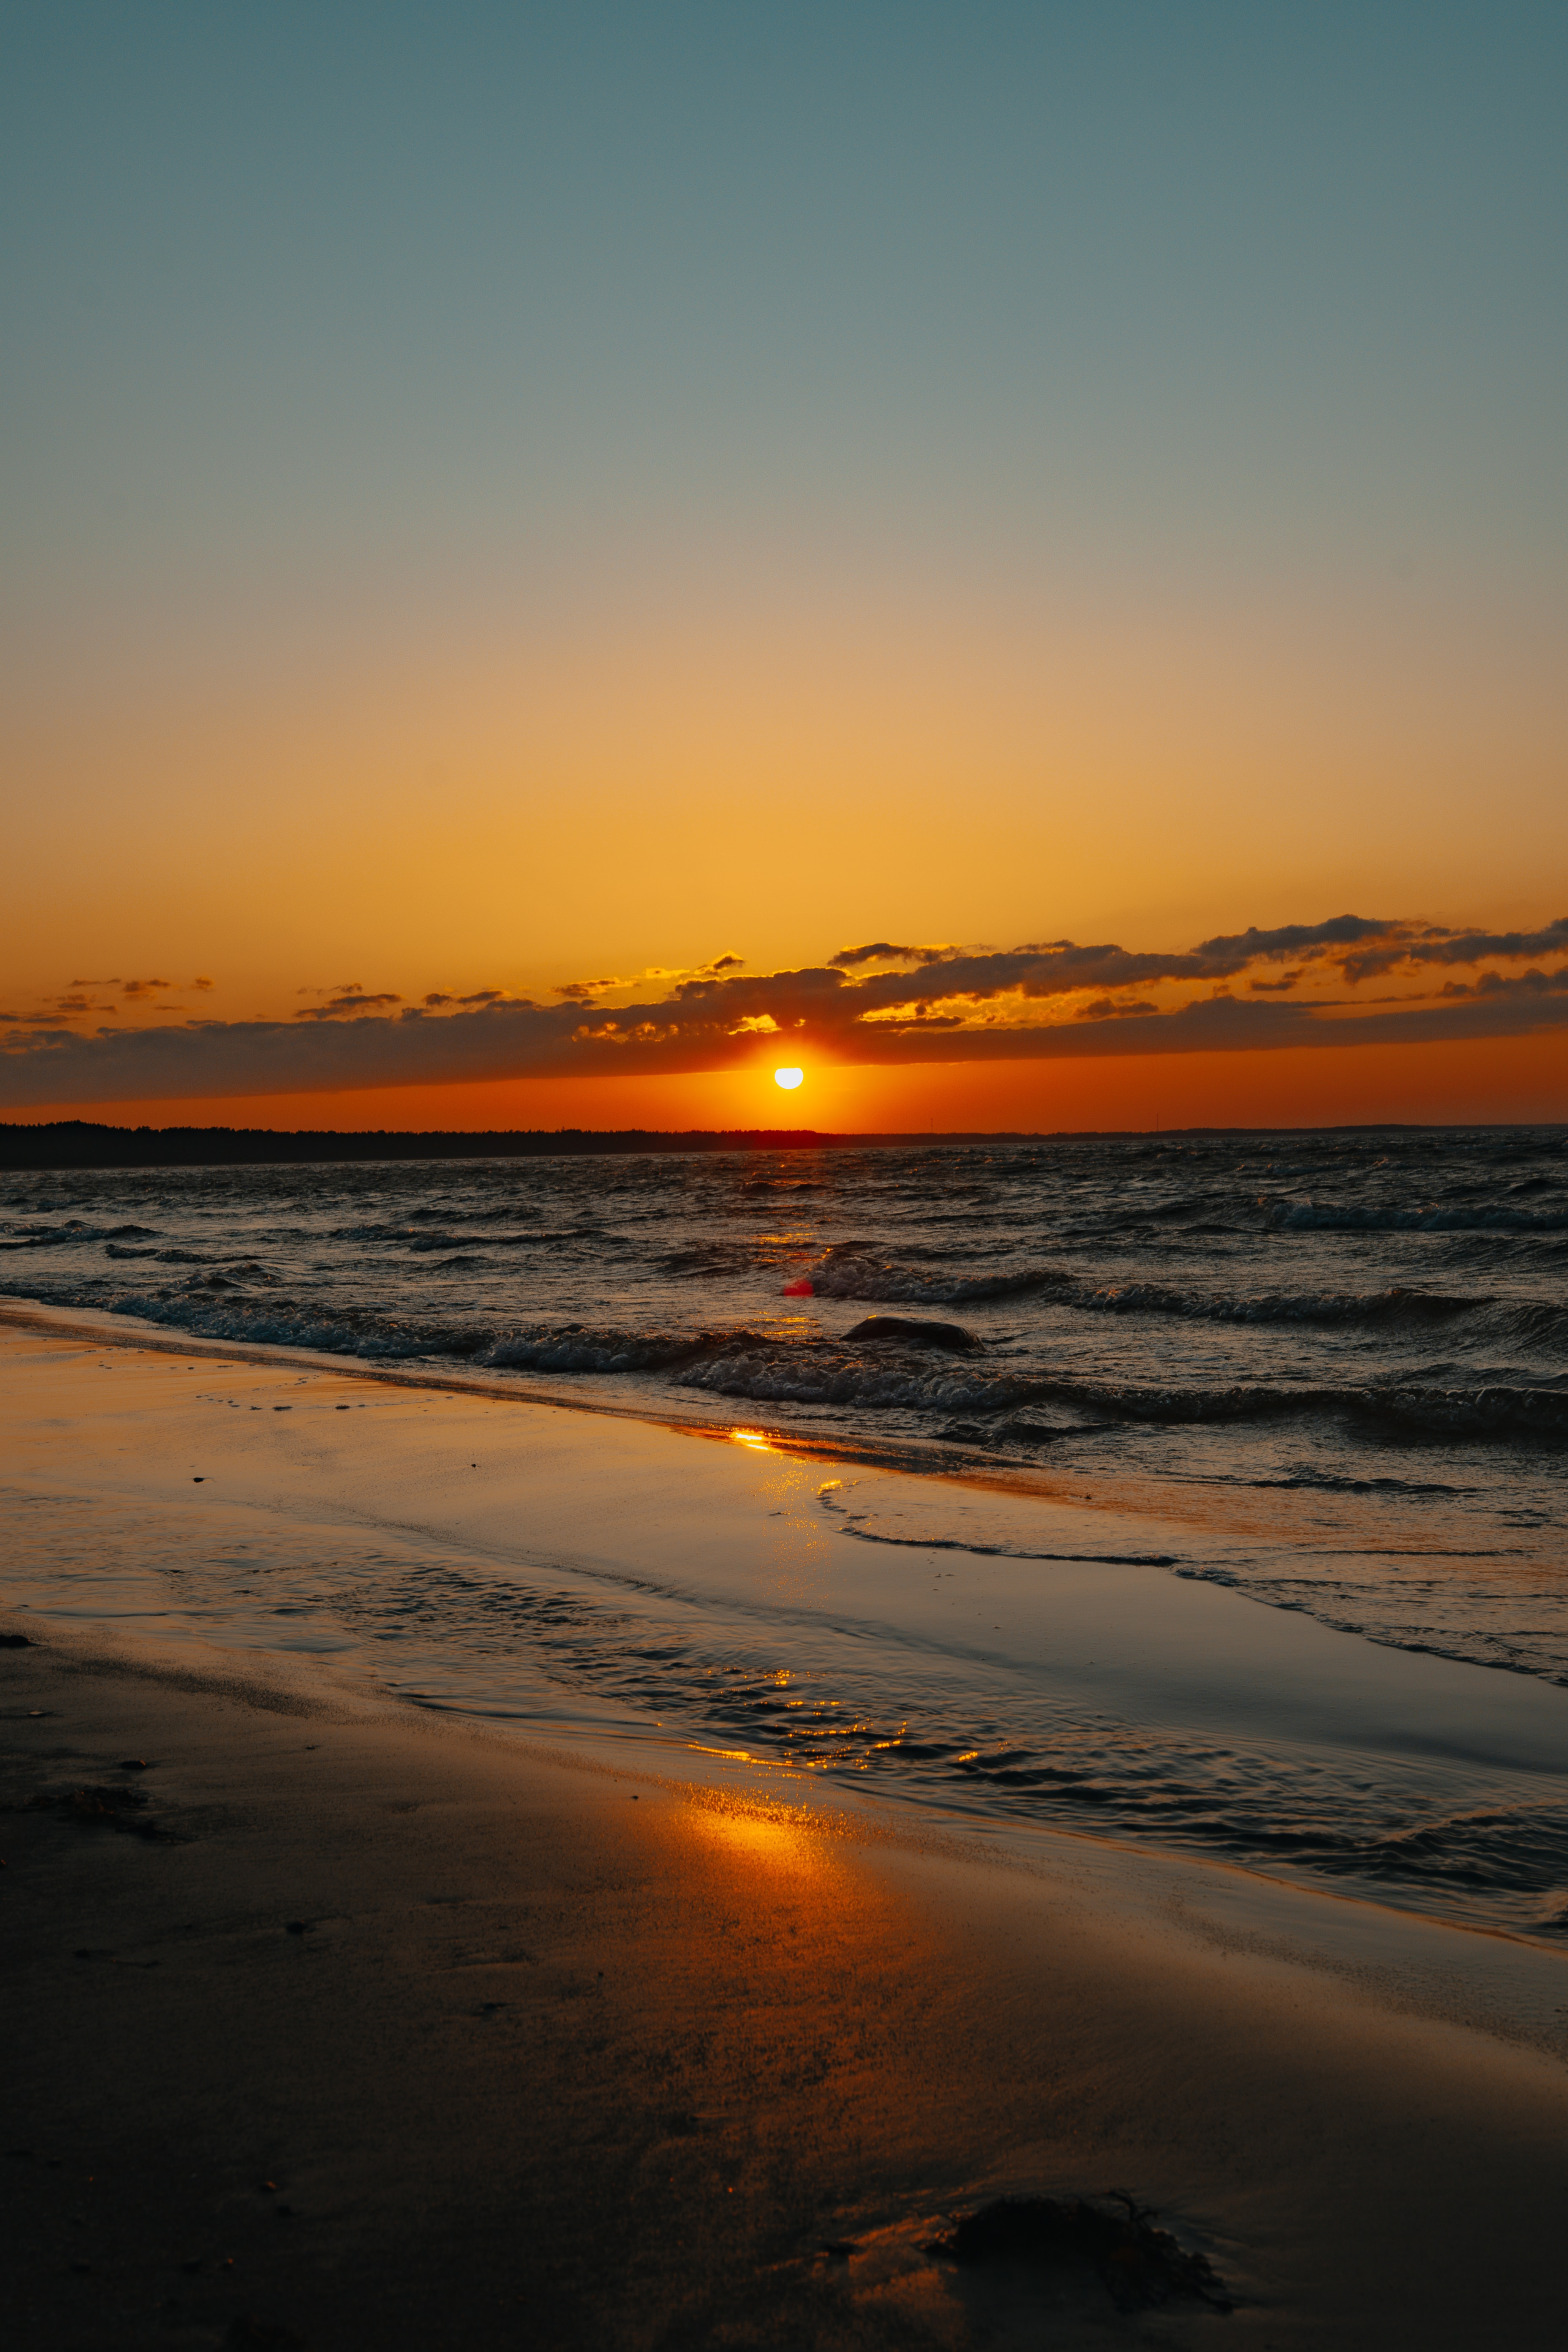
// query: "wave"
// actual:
[[1493, 1411], [1330, 1217], [860, 1525], [164, 1257], [850, 1271], [574, 1349], [45, 1236], [426, 1243], [1393, 1305], [1536, 1323], [1328, 1482], [712, 1259], [817, 1373], [275, 1322], [813, 1374], [780, 1368]]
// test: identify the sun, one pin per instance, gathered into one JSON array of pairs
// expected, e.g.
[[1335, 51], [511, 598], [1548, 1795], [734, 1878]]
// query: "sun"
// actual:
[[788, 1079]]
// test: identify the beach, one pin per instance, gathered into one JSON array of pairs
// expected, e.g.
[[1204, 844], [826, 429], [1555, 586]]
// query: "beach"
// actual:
[[784, 1180], [358, 2020]]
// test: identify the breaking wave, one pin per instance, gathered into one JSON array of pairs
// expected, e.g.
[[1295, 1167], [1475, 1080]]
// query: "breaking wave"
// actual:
[[807, 1370], [855, 1271]]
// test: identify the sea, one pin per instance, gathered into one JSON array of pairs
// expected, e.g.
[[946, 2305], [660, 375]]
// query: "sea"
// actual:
[[1327, 1370]]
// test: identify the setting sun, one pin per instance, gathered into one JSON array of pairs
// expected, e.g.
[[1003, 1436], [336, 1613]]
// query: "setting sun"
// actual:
[[788, 1078]]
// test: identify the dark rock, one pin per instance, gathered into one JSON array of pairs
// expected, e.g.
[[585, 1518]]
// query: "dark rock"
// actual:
[[913, 1331], [15, 1641], [1139, 2266]]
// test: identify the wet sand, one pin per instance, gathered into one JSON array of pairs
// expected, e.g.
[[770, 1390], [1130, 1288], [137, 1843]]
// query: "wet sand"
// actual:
[[371, 2028]]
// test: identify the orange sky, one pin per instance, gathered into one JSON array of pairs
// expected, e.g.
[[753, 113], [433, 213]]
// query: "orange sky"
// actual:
[[1511, 1079], [548, 507]]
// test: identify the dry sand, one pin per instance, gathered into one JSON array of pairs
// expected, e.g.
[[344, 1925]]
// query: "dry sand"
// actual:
[[368, 2029]]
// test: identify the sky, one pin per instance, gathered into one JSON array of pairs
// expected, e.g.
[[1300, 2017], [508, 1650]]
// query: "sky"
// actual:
[[533, 533]]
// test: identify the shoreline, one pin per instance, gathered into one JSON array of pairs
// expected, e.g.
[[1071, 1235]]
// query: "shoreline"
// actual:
[[588, 1579], [932, 1460]]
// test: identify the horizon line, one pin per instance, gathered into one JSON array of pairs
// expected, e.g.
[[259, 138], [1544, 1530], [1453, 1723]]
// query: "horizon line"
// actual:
[[19, 1128]]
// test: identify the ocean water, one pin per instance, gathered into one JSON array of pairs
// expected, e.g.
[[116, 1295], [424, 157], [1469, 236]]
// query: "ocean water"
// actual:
[[1328, 1372]]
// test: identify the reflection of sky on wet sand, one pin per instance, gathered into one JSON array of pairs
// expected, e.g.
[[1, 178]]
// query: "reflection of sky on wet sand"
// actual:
[[777, 1840], [803, 1563], [567, 1575]]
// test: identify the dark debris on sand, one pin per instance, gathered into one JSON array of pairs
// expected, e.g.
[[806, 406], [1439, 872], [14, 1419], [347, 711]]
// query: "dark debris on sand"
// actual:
[[101, 1806], [1140, 2267], [248, 2334]]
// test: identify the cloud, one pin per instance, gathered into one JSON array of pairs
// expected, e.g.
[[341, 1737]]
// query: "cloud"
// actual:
[[1518, 988], [351, 1000], [883, 951], [1433, 946], [1293, 939], [1366, 947], [480, 996], [703, 976], [1038, 1002], [585, 991]]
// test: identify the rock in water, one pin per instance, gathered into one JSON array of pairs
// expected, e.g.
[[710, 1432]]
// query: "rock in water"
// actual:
[[915, 1332]]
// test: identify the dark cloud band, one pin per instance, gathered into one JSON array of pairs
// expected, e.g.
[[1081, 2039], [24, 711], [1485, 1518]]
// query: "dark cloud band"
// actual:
[[945, 1005]]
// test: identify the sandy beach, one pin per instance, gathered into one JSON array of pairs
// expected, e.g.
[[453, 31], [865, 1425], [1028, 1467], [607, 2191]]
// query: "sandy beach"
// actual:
[[339, 2021]]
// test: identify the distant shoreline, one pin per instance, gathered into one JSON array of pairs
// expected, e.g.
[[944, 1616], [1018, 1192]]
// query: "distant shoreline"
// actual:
[[82, 1143]]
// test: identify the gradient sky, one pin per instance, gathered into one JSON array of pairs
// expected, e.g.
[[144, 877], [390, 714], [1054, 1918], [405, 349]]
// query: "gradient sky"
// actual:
[[501, 498]]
